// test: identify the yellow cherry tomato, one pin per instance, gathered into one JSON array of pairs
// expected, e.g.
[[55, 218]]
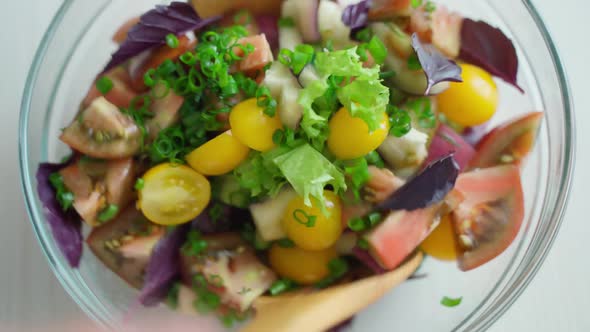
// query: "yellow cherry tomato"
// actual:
[[441, 242], [252, 127], [301, 266], [219, 155], [350, 138], [173, 194], [472, 102], [309, 227]]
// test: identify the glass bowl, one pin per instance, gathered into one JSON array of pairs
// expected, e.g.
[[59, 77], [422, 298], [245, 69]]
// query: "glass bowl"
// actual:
[[77, 45]]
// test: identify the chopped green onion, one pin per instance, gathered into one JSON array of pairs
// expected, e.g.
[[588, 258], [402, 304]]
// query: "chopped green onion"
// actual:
[[363, 243], [451, 302], [303, 218], [259, 243], [377, 50], [64, 197], [286, 22], [416, 3], [374, 218], [357, 224], [139, 183], [108, 213], [104, 85], [286, 243], [430, 6], [386, 74], [281, 286], [338, 268], [172, 40], [278, 137], [195, 245], [400, 122], [242, 17], [373, 158], [172, 296], [414, 63], [364, 35]]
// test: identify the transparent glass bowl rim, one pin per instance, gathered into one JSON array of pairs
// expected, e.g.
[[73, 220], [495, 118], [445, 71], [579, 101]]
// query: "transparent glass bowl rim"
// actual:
[[533, 265]]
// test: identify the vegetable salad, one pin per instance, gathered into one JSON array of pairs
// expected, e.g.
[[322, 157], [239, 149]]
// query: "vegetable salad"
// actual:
[[231, 153]]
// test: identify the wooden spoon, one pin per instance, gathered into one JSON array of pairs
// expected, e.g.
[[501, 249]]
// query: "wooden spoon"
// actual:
[[319, 311]]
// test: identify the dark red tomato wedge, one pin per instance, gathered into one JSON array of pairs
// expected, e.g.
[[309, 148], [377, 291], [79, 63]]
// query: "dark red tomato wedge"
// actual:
[[489, 217], [166, 110], [230, 267], [119, 95], [447, 141], [102, 131], [157, 57], [400, 234], [119, 180], [125, 244], [509, 143], [387, 9]]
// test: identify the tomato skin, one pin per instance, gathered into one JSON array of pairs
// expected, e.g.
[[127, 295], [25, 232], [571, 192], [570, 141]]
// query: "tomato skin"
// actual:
[[325, 230], [130, 222], [440, 243], [490, 216], [508, 143], [173, 194], [252, 127], [218, 156], [350, 138], [399, 234], [472, 102], [302, 266]]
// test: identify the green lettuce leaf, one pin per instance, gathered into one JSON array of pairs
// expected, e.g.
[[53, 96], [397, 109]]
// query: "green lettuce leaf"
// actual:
[[309, 172], [366, 99], [260, 175]]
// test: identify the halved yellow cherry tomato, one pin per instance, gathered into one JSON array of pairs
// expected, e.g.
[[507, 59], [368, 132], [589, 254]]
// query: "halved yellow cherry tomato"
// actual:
[[309, 227], [350, 138], [173, 194], [472, 102], [303, 267], [441, 242], [252, 127], [219, 155]]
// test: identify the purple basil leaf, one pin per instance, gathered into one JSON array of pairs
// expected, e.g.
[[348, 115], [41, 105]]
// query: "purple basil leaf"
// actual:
[[65, 226], [368, 260], [429, 187], [163, 267], [356, 16], [436, 66], [154, 26], [226, 218], [269, 27], [446, 141], [488, 47]]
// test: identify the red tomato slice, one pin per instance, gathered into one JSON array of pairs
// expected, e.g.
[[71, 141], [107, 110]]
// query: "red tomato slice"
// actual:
[[120, 94], [125, 244], [489, 218], [400, 234], [509, 143]]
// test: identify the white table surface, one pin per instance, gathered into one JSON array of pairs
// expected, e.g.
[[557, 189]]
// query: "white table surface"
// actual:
[[557, 300]]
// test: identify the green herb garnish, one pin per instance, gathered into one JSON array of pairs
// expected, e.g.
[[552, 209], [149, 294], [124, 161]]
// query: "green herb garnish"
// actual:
[[108, 213], [281, 286], [303, 218], [451, 302], [286, 22], [338, 268], [195, 245], [104, 85], [64, 197], [286, 243]]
